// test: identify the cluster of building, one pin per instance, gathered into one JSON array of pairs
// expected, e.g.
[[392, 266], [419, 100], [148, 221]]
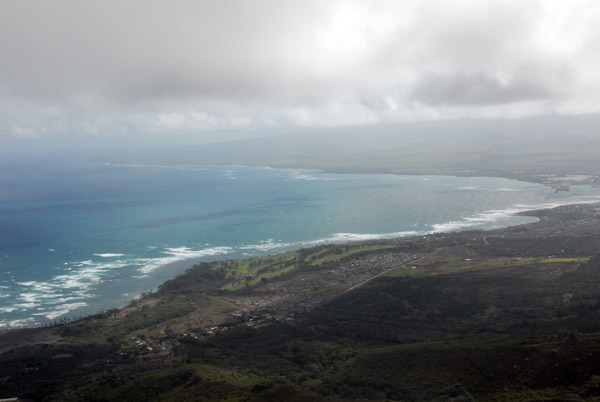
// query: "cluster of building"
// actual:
[[149, 349]]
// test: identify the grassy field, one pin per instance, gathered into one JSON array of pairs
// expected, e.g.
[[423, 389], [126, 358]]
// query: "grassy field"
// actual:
[[453, 264], [249, 272]]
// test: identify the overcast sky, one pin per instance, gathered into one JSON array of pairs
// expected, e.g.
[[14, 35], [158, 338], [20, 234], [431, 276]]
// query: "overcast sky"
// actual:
[[72, 67]]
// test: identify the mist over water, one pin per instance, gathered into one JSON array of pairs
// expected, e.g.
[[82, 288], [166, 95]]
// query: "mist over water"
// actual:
[[76, 238]]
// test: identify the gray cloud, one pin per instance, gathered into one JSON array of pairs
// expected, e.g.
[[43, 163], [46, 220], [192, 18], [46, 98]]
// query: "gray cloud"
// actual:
[[126, 67], [479, 89]]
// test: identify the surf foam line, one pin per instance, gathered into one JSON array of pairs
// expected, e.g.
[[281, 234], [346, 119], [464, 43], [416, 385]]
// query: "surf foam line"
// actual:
[[502, 218], [336, 238], [311, 175], [488, 218], [175, 167], [63, 293], [20, 323], [61, 310], [69, 291], [109, 255], [176, 254]]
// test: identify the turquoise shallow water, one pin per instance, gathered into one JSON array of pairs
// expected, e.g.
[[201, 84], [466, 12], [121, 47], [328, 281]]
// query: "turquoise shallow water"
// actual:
[[76, 238]]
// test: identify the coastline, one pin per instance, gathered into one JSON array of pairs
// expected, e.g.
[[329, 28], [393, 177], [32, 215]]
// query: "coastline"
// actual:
[[430, 294], [270, 246], [558, 182], [539, 217]]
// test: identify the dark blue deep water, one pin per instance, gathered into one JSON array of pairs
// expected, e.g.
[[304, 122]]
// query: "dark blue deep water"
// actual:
[[76, 238]]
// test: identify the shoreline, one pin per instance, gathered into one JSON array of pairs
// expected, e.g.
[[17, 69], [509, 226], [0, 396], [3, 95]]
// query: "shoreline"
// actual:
[[557, 180], [553, 179], [462, 288], [536, 214], [272, 248]]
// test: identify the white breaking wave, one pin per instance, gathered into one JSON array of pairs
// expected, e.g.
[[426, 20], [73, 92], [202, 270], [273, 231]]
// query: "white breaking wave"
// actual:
[[176, 254], [25, 305], [506, 189], [309, 175], [30, 283], [109, 255], [270, 244], [65, 292], [89, 274], [267, 245], [61, 310], [348, 237], [25, 322]]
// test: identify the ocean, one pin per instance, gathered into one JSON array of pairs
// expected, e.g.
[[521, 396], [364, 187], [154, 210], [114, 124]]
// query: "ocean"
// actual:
[[77, 238]]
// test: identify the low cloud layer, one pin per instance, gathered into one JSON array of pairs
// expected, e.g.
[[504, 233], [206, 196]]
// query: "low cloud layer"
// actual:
[[133, 67]]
